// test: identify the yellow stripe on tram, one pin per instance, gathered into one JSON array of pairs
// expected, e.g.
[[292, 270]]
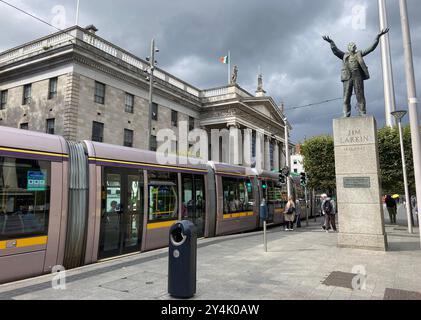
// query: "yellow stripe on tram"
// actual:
[[238, 215], [35, 152], [145, 164], [159, 225], [25, 242]]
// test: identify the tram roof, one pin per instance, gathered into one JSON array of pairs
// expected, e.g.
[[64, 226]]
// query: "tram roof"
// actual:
[[106, 151], [32, 140]]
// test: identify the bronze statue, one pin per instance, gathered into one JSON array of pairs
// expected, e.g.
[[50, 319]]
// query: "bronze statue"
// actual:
[[234, 75], [354, 72]]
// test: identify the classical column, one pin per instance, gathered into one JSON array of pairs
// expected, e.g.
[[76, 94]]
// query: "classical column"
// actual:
[[247, 137], [259, 150], [235, 148], [276, 156], [267, 153], [282, 156]]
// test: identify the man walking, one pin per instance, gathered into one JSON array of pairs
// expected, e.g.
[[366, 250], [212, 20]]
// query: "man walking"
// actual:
[[329, 210], [391, 208]]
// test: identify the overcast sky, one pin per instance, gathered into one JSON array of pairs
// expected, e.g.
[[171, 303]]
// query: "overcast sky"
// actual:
[[283, 37]]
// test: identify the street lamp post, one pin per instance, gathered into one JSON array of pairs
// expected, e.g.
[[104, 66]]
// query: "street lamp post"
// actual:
[[398, 116], [412, 100], [287, 160], [152, 62]]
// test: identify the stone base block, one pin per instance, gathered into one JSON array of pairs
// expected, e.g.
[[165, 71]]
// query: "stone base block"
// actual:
[[362, 241]]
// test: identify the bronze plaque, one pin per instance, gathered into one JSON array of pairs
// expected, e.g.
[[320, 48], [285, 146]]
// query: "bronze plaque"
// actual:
[[357, 183]]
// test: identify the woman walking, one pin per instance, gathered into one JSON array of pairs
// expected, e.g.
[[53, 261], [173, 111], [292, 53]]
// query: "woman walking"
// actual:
[[289, 215]]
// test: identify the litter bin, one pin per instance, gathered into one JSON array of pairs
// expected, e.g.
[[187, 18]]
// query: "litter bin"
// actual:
[[182, 260]]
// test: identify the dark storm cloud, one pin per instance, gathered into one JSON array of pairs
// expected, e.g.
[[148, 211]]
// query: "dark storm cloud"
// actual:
[[282, 37]]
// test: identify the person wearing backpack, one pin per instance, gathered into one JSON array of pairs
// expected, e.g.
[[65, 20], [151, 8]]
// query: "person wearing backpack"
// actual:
[[329, 211], [289, 215]]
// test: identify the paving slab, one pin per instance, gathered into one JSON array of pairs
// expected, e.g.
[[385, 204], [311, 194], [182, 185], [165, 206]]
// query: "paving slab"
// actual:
[[237, 268]]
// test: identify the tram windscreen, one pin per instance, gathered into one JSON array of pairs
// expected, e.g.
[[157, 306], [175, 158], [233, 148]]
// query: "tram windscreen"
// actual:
[[24, 198]]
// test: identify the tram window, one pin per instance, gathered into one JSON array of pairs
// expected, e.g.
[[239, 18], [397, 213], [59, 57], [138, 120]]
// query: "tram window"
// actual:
[[163, 196], [24, 198], [274, 191], [237, 197]]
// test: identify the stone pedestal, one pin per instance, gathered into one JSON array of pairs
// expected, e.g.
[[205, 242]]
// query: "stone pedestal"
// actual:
[[360, 209]]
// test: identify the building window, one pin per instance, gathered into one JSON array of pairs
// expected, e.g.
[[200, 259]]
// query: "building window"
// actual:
[[52, 88], [153, 143], [97, 131], [295, 170], [128, 138], [155, 111], [174, 118], [3, 99], [27, 94], [99, 92], [24, 126], [191, 123], [50, 126], [129, 108]]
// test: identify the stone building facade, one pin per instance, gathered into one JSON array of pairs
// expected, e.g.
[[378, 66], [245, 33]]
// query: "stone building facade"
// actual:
[[75, 84]]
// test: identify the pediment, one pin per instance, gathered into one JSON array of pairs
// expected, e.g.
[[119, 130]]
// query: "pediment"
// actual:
[[267, 108]]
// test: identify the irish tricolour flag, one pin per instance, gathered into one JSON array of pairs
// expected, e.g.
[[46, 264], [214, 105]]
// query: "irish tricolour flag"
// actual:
[[224, 60]]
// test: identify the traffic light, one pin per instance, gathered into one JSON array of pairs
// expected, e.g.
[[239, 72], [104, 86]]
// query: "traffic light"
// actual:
[[303, 179], [281, 178]]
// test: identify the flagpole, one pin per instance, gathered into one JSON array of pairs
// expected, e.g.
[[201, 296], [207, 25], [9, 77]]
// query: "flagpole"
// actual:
[[229, 67], [77, 12]]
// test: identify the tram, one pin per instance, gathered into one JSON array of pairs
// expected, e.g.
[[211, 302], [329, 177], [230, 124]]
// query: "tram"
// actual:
[[75, 203]]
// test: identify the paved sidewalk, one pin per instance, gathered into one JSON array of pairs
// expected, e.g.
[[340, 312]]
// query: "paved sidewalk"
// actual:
[[236, 267]]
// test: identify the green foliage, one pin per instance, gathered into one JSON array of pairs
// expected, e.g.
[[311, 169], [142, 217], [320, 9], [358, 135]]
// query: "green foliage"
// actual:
[[391, 160], [319, 163]]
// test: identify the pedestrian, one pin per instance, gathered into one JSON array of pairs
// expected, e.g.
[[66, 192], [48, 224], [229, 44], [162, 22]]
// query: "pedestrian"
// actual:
[[298, 213], [289, 214], [330, 212], [414, 207], [391, 208], [322, 202]]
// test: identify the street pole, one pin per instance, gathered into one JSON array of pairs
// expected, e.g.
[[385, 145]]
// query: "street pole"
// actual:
[[77, 12], [264, 236], [151, 79], [287, 156], [412, 100], [405, 179], [305, 195], [389, 90]]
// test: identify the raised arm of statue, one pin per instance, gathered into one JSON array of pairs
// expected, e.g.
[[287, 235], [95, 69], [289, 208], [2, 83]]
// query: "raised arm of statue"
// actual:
[[340, 54], [376, 42]]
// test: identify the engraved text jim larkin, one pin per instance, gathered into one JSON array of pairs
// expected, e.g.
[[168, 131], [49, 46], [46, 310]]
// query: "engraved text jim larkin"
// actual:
[[355, 137]]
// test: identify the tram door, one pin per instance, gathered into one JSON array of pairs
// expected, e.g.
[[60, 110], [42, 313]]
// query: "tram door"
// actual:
[[194, 204], [122, 212]]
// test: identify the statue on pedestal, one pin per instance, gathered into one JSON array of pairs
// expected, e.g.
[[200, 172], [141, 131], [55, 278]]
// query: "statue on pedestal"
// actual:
[[354, 72], [234, 75]]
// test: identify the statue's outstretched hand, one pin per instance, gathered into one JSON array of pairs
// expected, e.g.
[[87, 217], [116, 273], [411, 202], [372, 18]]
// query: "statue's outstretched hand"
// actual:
[[383, 32], [327, 38]]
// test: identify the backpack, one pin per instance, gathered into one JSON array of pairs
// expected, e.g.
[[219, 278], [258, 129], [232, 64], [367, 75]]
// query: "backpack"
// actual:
[[291, 210], [327, 207]]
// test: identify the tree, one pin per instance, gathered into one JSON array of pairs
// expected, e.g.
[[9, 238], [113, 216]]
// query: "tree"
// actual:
[[391, 160], [319, 163]]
